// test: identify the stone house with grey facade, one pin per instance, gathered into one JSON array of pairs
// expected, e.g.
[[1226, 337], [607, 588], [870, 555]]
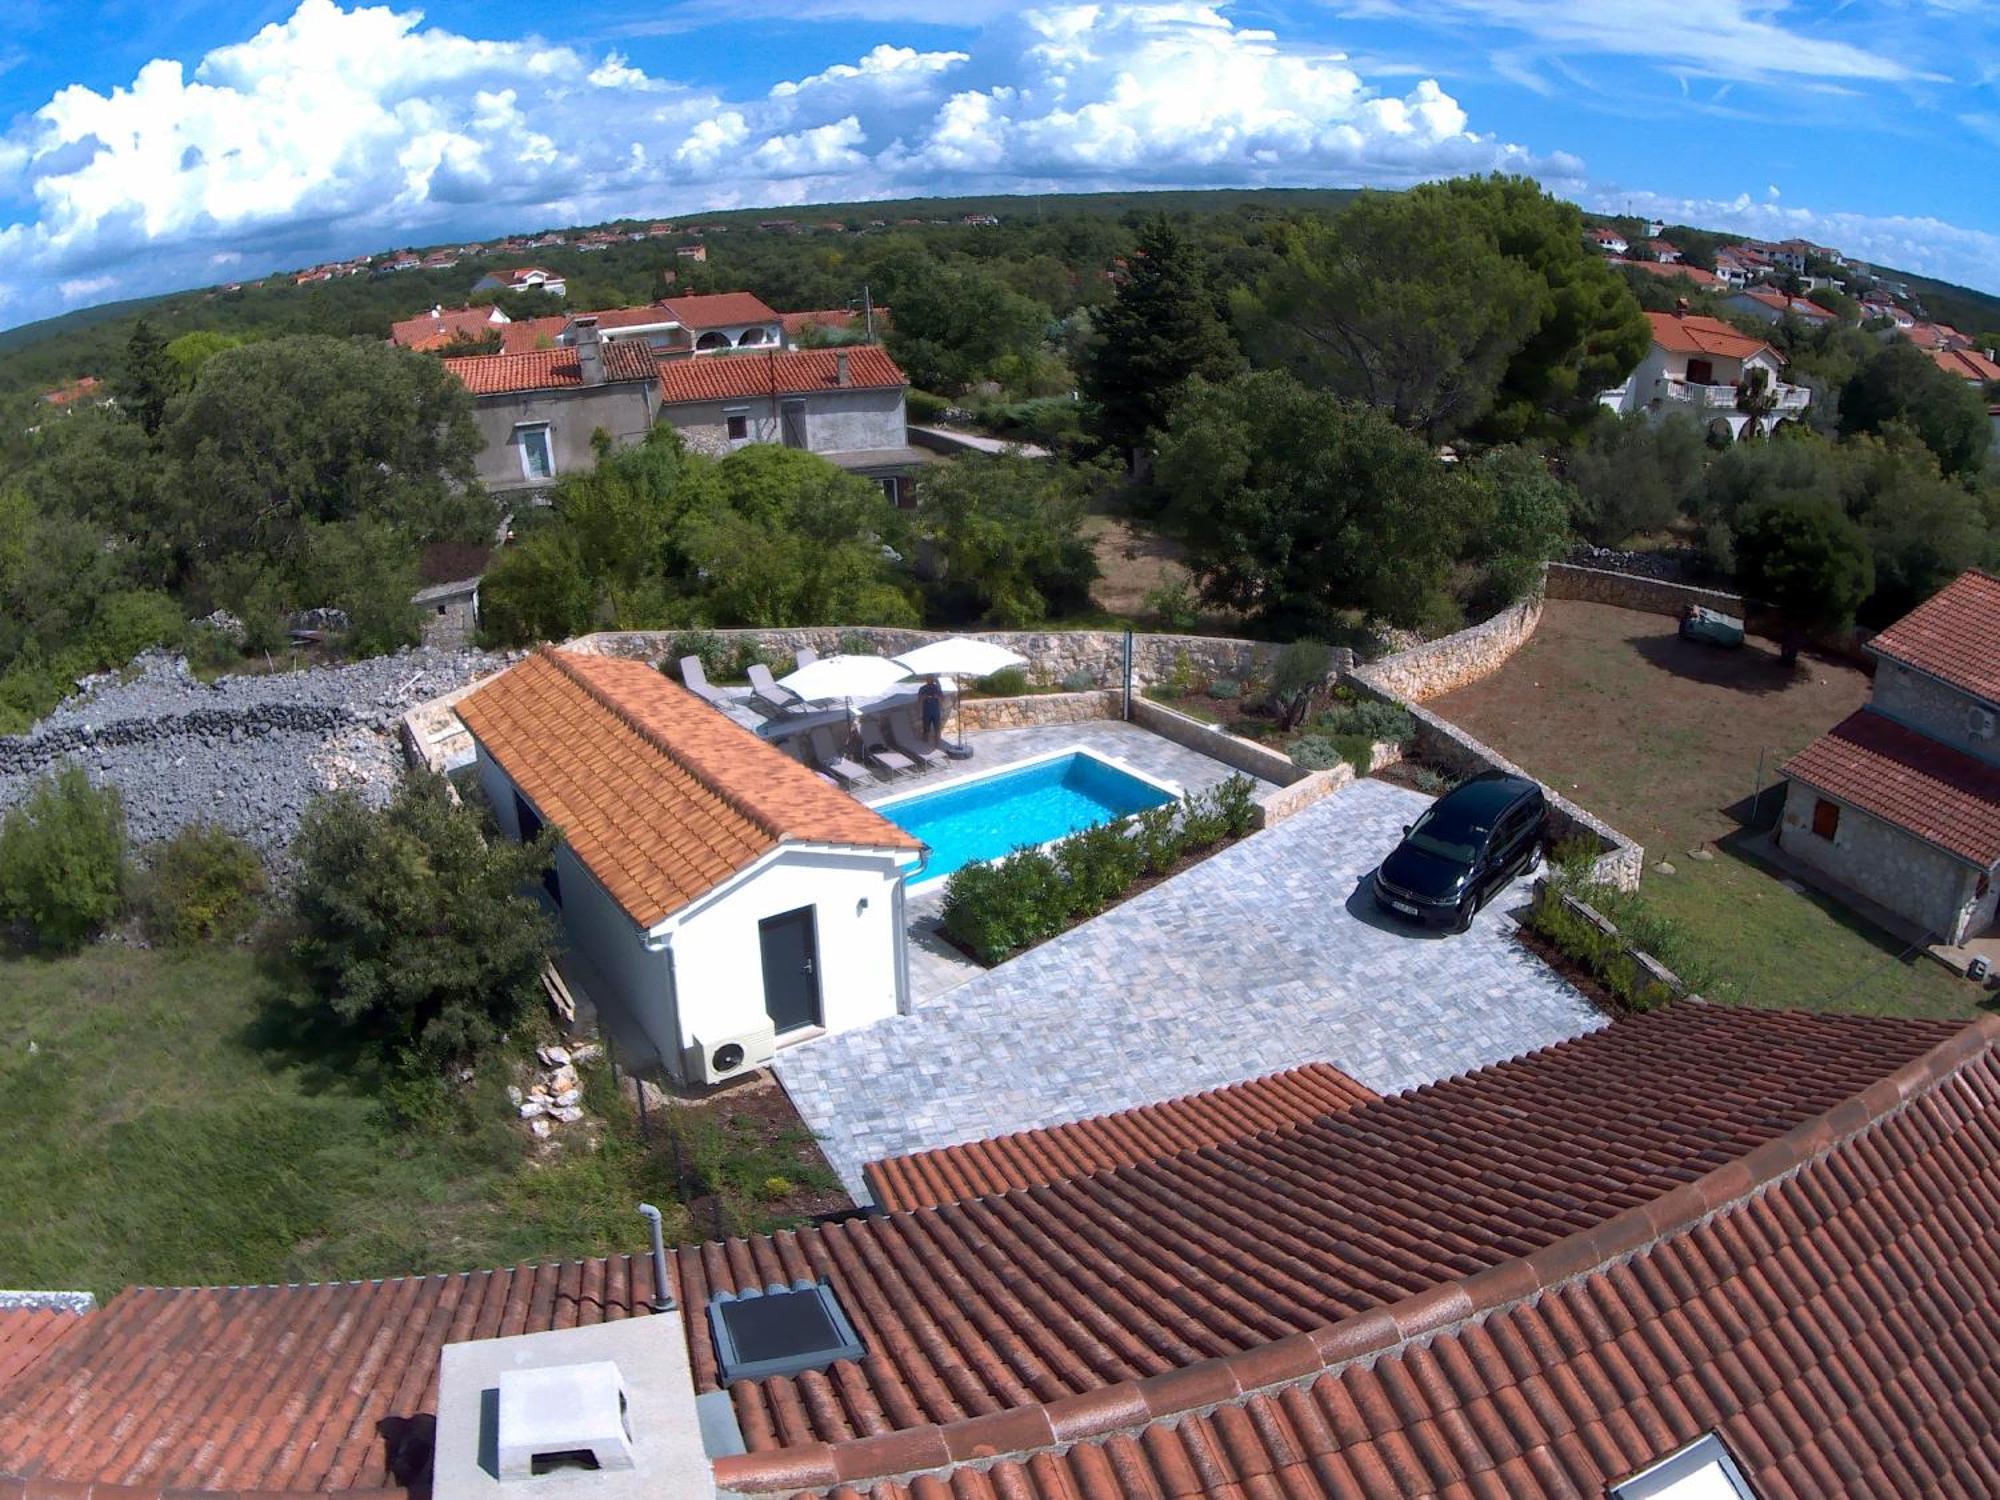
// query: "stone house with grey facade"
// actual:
[[846, 405], [538, 410], [1900, 801]]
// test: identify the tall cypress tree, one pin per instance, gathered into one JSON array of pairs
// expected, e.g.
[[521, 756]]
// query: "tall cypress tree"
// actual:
[[148, 377], [1163, 326]]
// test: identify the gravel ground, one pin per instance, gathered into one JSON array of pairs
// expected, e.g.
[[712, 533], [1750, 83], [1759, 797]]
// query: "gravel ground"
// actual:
[[246, 752]]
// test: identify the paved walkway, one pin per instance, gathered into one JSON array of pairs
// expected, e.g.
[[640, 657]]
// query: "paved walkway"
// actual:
[[1268, 955], [936, 966]]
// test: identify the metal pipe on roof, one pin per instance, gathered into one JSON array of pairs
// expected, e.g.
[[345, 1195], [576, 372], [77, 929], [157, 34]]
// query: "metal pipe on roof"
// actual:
[[663, 1300]]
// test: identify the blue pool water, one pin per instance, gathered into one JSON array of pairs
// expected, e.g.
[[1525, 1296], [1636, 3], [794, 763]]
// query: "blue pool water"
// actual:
[[995, 815]]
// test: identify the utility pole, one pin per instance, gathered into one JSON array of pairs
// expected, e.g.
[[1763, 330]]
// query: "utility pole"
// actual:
[[867, 314]]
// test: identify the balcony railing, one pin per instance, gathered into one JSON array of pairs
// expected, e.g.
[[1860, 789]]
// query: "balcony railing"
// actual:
[[1790, 398]]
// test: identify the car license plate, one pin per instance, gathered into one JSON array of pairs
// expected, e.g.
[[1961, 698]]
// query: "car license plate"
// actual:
[[1405, 908]]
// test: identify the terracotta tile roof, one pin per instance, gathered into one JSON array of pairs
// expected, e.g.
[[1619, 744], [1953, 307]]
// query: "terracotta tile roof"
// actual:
[[548, 369], [661, 797], [526, 334], [1065, 1313], [630, 317], [1908, 780], [1777, 301], [1030, 1158], [1954, 635], [720, 310], [441, 326], [1667, 272], [1966, 364], [1687, 333], [27, 1334], [1101, 1293], [727, 377], [297, 1389], [835, 318], [1833, 1315]]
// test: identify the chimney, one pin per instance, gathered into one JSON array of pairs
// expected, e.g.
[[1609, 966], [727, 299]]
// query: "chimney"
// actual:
[[840, 373], [589, 351], [1681, 306]]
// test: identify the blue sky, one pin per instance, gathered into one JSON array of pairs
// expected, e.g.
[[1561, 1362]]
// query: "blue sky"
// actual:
[[170, 143]]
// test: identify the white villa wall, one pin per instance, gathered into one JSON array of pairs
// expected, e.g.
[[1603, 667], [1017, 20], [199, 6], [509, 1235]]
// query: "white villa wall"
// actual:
[[836, 421], [718, 964]]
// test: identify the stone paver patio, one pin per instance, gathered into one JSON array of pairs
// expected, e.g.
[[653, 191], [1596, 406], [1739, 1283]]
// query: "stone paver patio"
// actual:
[[1268, 955]]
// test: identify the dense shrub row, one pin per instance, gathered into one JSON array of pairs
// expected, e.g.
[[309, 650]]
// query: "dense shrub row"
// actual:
[[993, 910], [1607, 957]]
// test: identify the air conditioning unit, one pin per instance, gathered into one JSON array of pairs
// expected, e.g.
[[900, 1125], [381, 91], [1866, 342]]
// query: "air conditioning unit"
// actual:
[[731, 1056], [1979, 722]]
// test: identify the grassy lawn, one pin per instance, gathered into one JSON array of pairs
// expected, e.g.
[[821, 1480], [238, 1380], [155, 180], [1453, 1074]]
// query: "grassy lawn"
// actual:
[[1663, 740], [178, 1121]]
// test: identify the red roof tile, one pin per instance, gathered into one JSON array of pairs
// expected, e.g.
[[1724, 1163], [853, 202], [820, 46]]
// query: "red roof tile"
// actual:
[[1954, 635], [1833, 1316], [630, 317], [1668, 272], [661, 797], [524, 335], [1030, 1158], [1686, 333], [835, 318], [442, 326], [1908, 780], [729, 377], [1777, 301], [1966, 364], [720, 310], [27, 1334], [549, 369], [1663, 1178]]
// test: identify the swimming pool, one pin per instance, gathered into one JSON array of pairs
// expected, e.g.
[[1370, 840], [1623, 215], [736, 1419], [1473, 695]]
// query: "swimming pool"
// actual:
[[1022, 805]]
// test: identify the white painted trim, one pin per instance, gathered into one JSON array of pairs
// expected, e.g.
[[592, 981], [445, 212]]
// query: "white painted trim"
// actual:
[[661, 934]]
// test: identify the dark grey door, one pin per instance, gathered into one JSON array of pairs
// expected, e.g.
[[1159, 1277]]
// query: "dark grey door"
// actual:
[[791, 970], [792, 423]]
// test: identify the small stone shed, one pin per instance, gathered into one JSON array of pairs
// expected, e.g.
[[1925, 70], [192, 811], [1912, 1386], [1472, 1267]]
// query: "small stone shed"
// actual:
[[1900, 801], [712, 891]]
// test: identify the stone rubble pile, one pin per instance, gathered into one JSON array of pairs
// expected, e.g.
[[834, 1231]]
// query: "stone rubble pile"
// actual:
[[556, 1095], [246, 752]]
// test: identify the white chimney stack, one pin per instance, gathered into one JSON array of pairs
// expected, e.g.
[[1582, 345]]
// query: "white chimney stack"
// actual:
[[589, 350], [840, 372]]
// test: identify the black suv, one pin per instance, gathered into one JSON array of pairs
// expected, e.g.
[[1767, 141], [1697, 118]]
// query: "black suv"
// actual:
[[1468, 844]]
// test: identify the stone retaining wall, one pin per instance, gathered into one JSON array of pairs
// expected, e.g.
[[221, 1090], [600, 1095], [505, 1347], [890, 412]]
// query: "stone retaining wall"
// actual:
[[1053, 655], [1459, 659], [1648, 965], [1443, 744], [69, 1302], [1314, 786], [1215, 742], [1632, 591], [1038, 708]]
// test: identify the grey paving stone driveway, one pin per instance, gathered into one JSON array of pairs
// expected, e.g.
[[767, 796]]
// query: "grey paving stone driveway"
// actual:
[[1264, 957]]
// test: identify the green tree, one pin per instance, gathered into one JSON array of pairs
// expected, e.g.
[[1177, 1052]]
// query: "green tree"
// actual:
[[202, 885], [1633, 475], [1806, 561], [1163, 327], [1903, 385], [1756, 400], [1003, 540], [146, 383], [367, 569], [622, 514], [1296, 507], [1923, 530], [536, 590], [953, 324], [281, 434], [1521, 520], [187, 354], [416, 930], [62, 859]]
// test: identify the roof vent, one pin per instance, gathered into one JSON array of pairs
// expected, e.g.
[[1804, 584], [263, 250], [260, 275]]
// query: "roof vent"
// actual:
[[780, 1330], [562, 1417]]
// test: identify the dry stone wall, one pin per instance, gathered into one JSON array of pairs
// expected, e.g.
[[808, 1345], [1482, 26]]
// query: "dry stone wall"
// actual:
[[1632, 591], [1038, 708], [1053, 655], [1215, 742], [1459, 659]]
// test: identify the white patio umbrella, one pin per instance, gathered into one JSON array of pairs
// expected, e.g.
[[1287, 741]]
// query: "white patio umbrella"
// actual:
[[962, 657], [848, 677]]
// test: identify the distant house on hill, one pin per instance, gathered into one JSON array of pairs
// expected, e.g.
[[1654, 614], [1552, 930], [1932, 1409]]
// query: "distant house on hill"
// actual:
[[537, 410], [1901, 800], [1672, 271], [442, 327], [522, 279], [87, 390], [1770, 305], [840, 320], [1610, 241], [1699, 366], [846, 405]]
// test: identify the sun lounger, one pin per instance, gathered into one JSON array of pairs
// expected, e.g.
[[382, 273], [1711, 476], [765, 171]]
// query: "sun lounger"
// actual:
[[927, 756], [852, 773], [807, 656], [695, 680], [770, 694], [889, 760]]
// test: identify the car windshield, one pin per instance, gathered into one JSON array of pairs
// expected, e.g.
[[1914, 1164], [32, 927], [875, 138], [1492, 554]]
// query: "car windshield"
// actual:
[[1447, 835]]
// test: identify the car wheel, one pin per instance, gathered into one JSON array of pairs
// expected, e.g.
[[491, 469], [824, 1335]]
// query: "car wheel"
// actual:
[[1467, 910]]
